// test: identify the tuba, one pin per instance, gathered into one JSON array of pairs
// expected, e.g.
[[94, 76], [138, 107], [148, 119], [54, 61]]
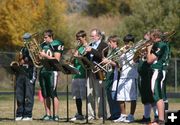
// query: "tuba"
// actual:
[[30, 42]]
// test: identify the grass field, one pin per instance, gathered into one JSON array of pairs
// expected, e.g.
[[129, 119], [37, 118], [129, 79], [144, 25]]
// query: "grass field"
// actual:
[[7, 108]]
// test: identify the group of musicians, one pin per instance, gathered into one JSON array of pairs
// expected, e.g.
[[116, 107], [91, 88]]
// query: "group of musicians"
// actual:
[[113, 75]]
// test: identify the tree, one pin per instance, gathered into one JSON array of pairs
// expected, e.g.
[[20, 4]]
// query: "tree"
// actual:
[[101, 7], [18, 17], [149, 14]]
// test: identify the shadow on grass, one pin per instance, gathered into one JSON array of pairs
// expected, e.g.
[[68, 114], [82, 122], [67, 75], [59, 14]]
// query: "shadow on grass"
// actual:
[[6, 119]]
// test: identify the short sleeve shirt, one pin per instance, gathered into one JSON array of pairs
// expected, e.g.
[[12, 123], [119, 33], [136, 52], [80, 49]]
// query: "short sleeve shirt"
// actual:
[[55, 46], [79, 66], [159, 49]]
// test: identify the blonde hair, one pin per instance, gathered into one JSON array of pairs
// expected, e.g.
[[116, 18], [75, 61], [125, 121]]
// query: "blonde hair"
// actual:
[[157, 33]]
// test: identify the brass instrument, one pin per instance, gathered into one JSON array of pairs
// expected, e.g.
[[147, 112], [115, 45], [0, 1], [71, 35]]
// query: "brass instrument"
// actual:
[[30, 42], [141, 46], [85, 52], [140, 49], [167, 35], [73, 51], [115, 57], [14, 63]]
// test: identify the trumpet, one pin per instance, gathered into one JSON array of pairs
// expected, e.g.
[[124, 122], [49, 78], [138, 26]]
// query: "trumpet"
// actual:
[[70, 61]]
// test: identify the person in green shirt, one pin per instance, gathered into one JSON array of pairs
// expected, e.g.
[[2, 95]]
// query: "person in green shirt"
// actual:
[[145, 88], [112, 77], [156, 56], [79, 80], [165, 69], [51, 49]]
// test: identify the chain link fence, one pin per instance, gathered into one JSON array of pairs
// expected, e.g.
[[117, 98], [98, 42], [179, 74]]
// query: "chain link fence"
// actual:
[[7, 83]]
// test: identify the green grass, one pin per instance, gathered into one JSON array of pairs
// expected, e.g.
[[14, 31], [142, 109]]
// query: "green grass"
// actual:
[[6, 112]]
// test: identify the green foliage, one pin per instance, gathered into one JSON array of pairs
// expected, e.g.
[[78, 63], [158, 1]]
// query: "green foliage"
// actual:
[[124, 8], [149, 14], [97, 8]]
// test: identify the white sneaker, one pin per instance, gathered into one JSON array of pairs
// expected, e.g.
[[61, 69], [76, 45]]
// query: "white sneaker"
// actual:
[[77, 117], [27, 119], [90, 118], [18, 118], [122, 118], [129, 119]]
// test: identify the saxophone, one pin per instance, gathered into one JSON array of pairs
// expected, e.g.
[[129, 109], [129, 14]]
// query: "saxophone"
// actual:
[[15, 63], [30, 42]]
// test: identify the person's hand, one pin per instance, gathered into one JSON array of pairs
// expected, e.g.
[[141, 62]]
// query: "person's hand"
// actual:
[[147, 36], [76, 54], [149, 48], [43, 54], [88, 49], [105, 60]]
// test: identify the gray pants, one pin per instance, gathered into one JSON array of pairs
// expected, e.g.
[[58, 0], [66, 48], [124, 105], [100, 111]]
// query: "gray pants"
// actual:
[[24, 95], [95, 88]]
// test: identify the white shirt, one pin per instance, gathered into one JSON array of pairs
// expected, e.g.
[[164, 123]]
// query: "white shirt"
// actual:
[[95, 44], [129, 68]]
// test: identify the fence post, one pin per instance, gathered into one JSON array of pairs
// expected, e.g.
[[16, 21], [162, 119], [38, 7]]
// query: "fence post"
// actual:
[[175, 65]]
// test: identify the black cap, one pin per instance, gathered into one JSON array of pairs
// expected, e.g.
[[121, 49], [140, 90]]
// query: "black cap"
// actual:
[[128, 38], [27, 36]]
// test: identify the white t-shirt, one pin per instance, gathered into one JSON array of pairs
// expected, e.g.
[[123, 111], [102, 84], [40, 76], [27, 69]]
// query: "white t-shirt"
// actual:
[[129, 68]]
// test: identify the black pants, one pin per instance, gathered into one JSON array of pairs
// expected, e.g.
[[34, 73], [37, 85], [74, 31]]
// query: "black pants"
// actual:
[[24, 95]]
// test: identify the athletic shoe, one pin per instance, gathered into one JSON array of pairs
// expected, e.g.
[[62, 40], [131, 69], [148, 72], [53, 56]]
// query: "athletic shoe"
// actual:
[[129, 119], [156, 118], [18, 118], [90, 118], [47, 118], [159, 122], [77, 117], [122, 118], [27, 119], [144, 120], [56, 118], [112, 118]]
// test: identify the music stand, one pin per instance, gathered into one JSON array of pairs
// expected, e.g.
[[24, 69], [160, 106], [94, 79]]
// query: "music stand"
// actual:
[[68, 70], [87, 65]]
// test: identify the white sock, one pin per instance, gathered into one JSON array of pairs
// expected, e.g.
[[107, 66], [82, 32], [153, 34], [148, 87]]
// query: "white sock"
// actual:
[[155, 110], [147, 110]]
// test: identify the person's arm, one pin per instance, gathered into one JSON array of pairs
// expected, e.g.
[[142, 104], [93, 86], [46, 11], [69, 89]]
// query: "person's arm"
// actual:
[[56, 56], [151, 57], [58, 50]]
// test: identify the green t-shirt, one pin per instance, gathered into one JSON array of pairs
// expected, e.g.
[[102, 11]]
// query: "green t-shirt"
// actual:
[[110, 74], [55, 46], [79, 66], [159, 49]]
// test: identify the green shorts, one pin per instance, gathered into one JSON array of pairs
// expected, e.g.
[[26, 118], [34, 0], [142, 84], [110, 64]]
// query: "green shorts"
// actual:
[[156, 84], [48, 82]]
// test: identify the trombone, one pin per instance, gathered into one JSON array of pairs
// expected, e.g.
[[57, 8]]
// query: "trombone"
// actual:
[[115, 57]]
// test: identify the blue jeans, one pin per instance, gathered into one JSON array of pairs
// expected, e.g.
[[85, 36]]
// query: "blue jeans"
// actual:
[[113, 105]]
